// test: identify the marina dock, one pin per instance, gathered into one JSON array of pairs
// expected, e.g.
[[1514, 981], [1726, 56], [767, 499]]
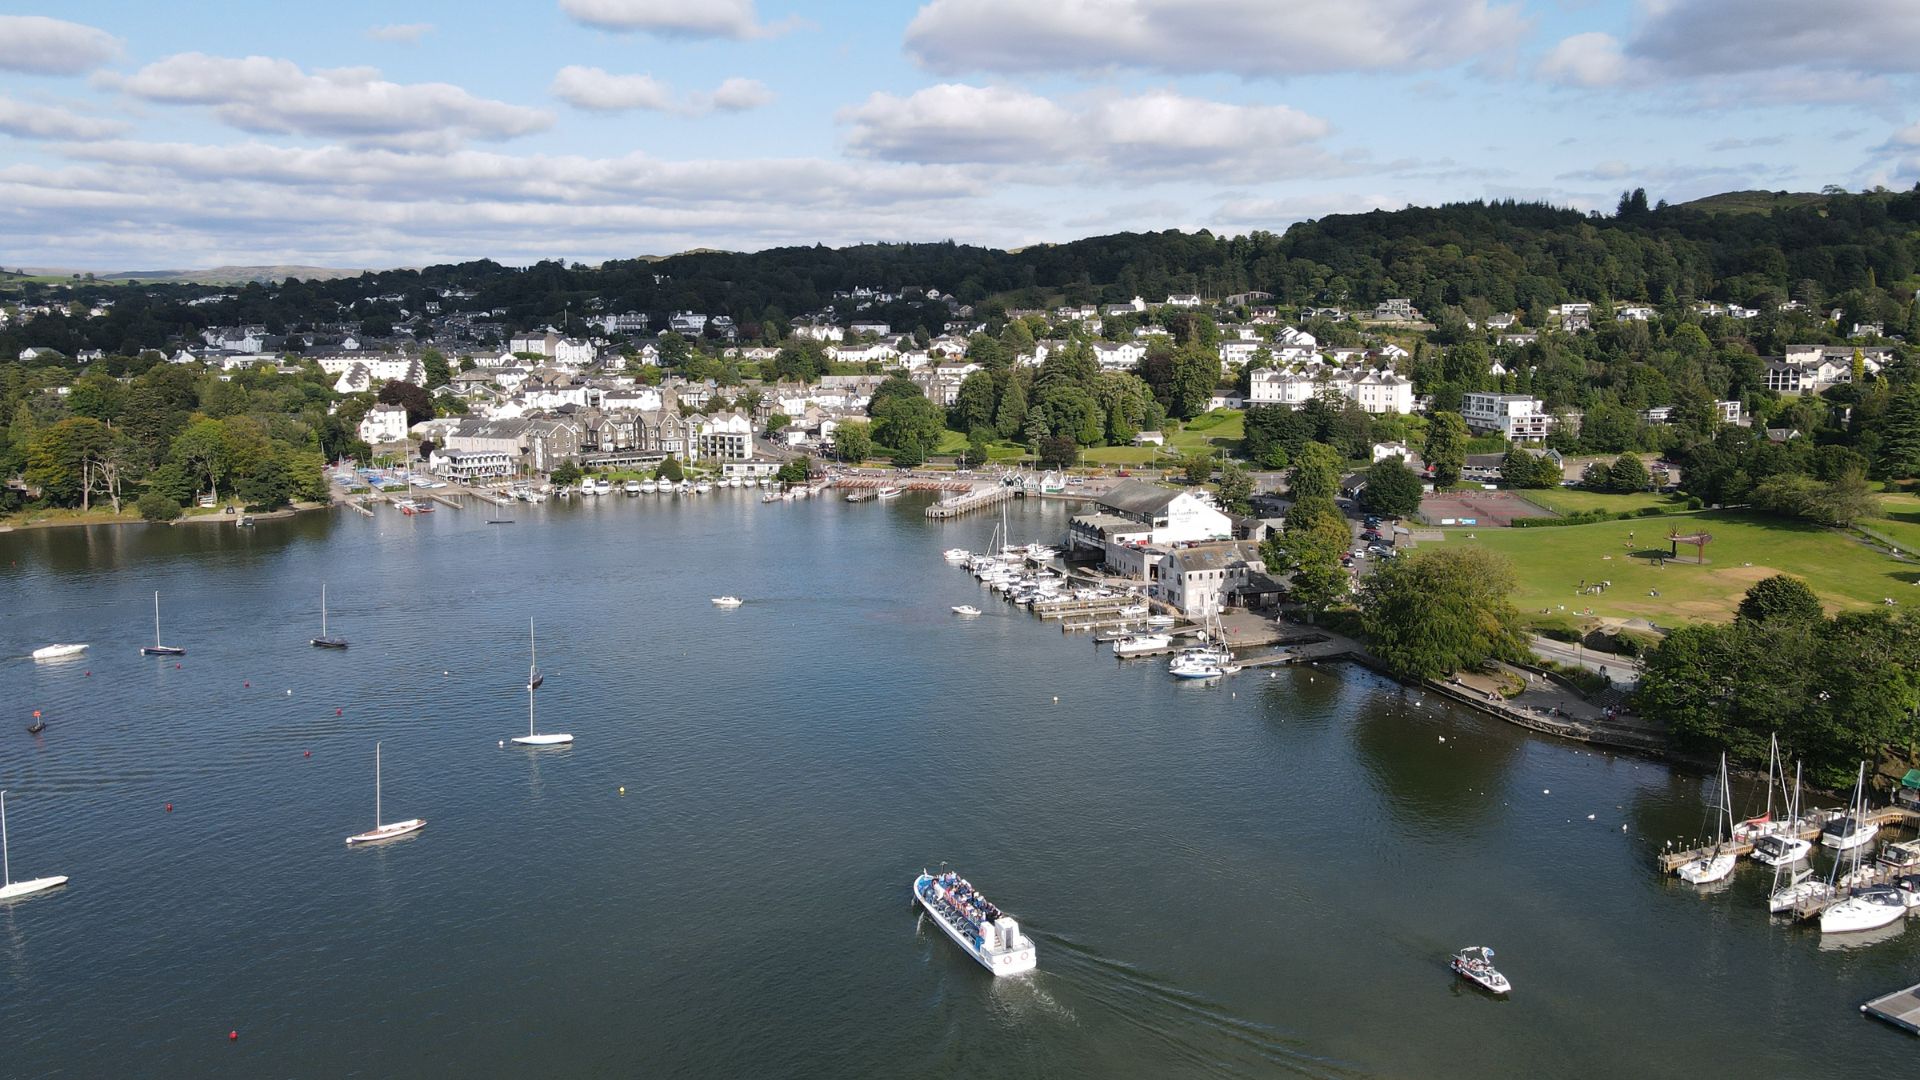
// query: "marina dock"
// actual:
[[975, 497], [1885, 816], [1900, 1008]]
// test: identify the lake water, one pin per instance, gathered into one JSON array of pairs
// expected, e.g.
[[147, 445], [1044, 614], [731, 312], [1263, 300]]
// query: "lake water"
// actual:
[[1256, 878]]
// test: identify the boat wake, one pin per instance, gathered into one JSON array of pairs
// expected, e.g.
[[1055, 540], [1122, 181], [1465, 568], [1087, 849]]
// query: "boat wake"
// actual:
[[1188, 1028]]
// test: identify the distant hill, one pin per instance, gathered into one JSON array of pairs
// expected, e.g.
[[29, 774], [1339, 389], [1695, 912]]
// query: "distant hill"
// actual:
[[219, 275], [1755, 202]]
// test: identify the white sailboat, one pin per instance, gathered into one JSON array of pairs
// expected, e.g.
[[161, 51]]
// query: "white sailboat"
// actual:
[[157, 649], [1869, 908], [1756, 827], [534, 679], [1783, 848], [1717, 863], [9, 888], [381, 832], [324, 641]]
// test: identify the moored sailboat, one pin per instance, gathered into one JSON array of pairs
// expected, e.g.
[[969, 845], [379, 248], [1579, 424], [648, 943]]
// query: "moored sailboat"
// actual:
[[9, 888], [534, 679], [1717, 863], [381, 832], [157, 649], [326, 640]]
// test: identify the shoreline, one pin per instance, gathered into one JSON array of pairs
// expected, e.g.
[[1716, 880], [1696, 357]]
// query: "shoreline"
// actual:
[[195, 519]]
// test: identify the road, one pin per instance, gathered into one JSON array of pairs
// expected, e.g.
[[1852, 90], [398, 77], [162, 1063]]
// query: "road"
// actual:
[[1622, 671]]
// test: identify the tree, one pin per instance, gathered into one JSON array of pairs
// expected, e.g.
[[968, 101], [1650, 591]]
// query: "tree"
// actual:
[[1236, 489], [156, 506], [1308, 549], [670, 470], [674, 350], [1197, 468], [415, 399], [777, 423], [1522, 468], [973, 405], [1446, 450], [1316, 473], [1059, 452], [796, 471], [437, 373], [1899, 429], [908, 424], [1392, 489], [566, 474], [1196, 371], [852, 441], [801, 360], [1627, 475], [1010, 418], [1440, 610], [1780, 597]]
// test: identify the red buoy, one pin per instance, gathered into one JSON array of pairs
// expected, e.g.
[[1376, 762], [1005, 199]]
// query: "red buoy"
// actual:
[[89, 674], [309, 753], [248, 684], [336, 712], [169, 808], [233, 1036], [176, 667], [36, 714]]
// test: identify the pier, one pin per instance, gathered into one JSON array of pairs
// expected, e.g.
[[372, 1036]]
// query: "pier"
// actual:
[[1886, 815], [1900, 1008], [976, 497]]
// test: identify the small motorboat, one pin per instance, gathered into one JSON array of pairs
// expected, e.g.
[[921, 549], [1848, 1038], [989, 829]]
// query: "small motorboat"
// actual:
[[1780, 849], [727, 601], [58, 652], [37, 726], [965, 609], [1475, 964], [957, 555], [1904, 855], [888, 492], [1160, 622]]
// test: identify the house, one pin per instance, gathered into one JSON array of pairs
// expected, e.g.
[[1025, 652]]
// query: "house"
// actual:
[[1200, 579], [1386, 450], [1183, 300], [819, 331], [1118, 355], [1517, 417], [877, 329], [1573, 317], [630, 322], [1866, 330], [1150, 438], [1399, 309], [1247, 299], [574, 352], [1382, 392], [1238, 351], [384, 424], [687, 323], [1500, 320], [726, 436], [467, 466], [1172, 516], [750, 469], [1633, 313]]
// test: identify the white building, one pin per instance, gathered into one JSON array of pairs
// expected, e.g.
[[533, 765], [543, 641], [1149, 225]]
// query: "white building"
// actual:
[[1118, 355], [687, 323], [574, 352], [1514, 416], [1376, 392], [1199, 579], [819, 331], [1183, 300], [726, 436], [384, 424]]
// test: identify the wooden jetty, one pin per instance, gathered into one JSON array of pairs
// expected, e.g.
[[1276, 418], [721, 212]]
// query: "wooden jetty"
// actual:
[[973, 498], [444, 501], [1900, 1008], [1061, 609], [1886, 815], [359, 505]]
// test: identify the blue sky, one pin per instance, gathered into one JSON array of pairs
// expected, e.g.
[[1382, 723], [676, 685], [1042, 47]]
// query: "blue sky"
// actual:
[[148, 136]]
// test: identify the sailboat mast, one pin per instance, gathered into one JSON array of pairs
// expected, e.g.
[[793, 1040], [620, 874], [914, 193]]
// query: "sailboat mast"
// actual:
[[376, 786], [323, 633], [6, 870], [156, 618]]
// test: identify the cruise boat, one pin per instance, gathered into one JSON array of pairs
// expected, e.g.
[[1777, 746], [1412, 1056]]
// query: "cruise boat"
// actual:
[[58, 652], [1161, 621], [965, 609], [1202, 663], [888, 492], [727, 601], [1475, 964], [1136, 644], [987, 934]]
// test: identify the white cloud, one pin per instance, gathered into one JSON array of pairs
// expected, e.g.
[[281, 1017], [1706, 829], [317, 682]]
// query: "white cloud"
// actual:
[[26, 121], [1150, 135], [1242, 37], [265, 95], [41, 46], [401, 33], [674, 18], [1704, 37], [1907, 138], [595, 89], [1585, 60]]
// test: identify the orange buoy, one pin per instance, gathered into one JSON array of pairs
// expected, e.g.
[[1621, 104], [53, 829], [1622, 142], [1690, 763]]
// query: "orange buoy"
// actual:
[[36, 714]]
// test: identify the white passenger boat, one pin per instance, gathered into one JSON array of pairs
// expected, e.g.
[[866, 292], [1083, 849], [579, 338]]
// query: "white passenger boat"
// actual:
[[987, 934], [727, 601], [888, 492], [1475, 964], [1778, 850], [601, 487], [1161, 621], [1904, 855], [57, 652], [391, 831], [1136, 644], [9, 888], [649, 487], [956, 555], [965, 609], [1132, 611]]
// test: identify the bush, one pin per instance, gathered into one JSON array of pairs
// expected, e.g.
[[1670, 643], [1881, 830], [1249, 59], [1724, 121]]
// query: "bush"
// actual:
[[1694, 503], [155, 506]]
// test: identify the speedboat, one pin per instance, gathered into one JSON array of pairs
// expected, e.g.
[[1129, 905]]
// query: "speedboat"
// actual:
[[1780, 849], [1904, 855], [1132, 611], [1475, 964], [727, 601], [888, 492], [1136, 644], [1847, 833], [649, 487], [1872, 907], [965, 609], [58, 652], [601, 487], [957, 555], [987, 934], [1161, 621], [631, 487], [1708, 868]]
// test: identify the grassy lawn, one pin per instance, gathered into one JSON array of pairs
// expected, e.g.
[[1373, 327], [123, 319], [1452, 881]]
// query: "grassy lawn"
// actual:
[[1900, 520], [1550, 563], [1217, 430], [1574, 501]]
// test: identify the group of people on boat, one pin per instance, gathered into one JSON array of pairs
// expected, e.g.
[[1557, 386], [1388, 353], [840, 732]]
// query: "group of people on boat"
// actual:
[[959, 892]]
